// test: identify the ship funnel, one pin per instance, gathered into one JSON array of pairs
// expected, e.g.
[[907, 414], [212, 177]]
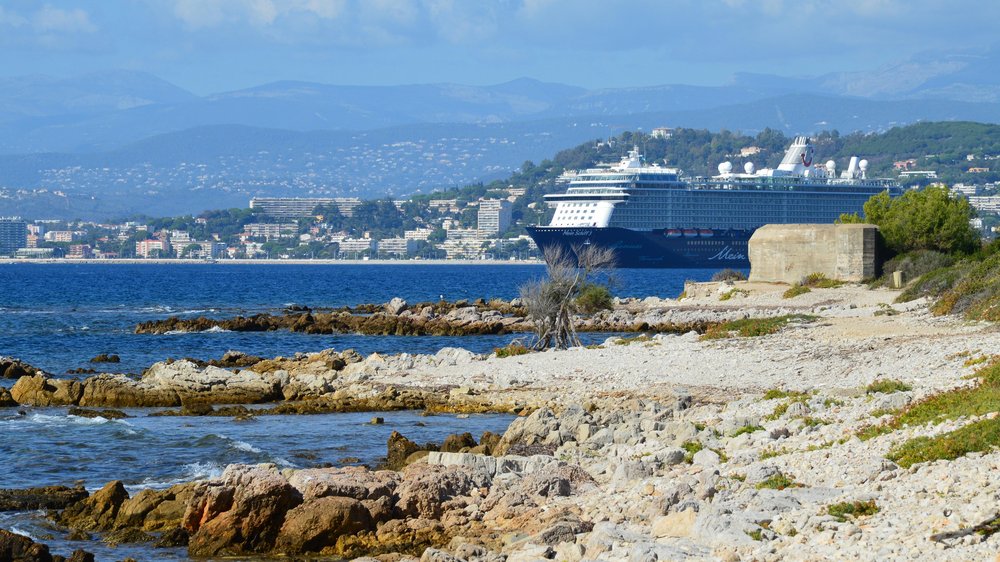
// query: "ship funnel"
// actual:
[[852, 168], [798, 158]]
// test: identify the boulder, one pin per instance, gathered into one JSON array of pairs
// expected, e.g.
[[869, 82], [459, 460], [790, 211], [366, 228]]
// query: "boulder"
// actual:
[[22, 549], [6, 400], [211, 384], [395, 306], [426, 488], [318, 523], [120, 391], [99, 511], [11, 368], [398, 448], [674, 524], [454, 443], [37, 390], [48, 497], [240, 513], [354, 482]]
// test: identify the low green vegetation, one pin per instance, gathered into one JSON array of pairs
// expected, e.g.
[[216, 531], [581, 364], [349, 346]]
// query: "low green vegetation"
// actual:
[[977, 400], [771, 452], [594, 298], [887, 386], [756, 534], [729, 275], [795, 290], [820, 281], [747, 429], [976, 294], [732, 293], [844, 510], [690, 448], [782, 408], [641, 338], [511, 350], [778, 482], [983, 435], [753, 327], [912, 265], [776, 393]]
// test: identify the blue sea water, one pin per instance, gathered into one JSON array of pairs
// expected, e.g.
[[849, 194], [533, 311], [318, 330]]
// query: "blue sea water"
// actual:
[[58, 316]]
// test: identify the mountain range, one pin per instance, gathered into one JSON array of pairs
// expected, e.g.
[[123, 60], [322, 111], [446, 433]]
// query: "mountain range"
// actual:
[[123, 141]]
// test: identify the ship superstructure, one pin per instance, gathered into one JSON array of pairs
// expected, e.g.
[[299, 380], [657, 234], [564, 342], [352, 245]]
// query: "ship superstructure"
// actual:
[[653, 216]]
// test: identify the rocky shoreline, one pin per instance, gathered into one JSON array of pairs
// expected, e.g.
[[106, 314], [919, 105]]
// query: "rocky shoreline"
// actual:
[[660, 447]]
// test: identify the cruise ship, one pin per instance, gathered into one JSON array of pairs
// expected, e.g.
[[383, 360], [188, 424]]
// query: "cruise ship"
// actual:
[[654, 217]]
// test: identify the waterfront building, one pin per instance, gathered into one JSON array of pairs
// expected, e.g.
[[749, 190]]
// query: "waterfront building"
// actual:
[[302, 207], [35, 253], [494, 216], [662, 133], [60, 236], [152, 248], [80, 252], [13, 235], [417, 233], [351, 247], [399, 247], [270, 231]]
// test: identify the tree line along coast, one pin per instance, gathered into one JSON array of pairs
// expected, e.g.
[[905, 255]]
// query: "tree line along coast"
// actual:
[[487, 220]]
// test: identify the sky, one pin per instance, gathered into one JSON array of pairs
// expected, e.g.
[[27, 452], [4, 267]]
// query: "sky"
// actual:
[[209, 46]]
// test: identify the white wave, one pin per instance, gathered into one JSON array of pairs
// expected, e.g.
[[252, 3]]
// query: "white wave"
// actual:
[[244, 446], [281, 461], [192, 472], [212, 330], [21, 531], [46, 419]]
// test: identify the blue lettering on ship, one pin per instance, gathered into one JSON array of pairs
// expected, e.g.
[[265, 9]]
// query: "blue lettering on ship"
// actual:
[[728, 253]]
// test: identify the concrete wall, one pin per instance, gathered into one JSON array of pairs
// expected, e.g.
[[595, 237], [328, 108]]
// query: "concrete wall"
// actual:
[[786, 253]]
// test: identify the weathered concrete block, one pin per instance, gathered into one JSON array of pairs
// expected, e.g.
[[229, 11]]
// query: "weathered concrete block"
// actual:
[[785, 253]]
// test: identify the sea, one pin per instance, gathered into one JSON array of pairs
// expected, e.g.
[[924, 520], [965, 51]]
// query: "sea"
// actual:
[[58, 316]]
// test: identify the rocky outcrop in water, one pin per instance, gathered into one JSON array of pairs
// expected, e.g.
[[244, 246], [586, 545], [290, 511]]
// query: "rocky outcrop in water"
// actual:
[[47, 497], [19, 548], [11, 368]]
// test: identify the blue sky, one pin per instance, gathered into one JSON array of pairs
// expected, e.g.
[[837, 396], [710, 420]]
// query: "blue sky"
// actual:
[[217, 45]]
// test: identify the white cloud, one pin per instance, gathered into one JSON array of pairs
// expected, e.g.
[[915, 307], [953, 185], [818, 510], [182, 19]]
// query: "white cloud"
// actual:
[[11, 19], [55, 20], [261, 13]]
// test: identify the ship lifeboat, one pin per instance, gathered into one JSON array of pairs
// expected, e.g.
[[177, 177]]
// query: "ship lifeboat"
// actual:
[[705, 233], [690, 232], [672, 233]]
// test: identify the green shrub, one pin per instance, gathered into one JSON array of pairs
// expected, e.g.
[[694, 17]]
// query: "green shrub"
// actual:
[[795, 290], [511, 350], [729, 275], [887, 386], [853, 509], [934, 283], [976, 294], [928, 219], [913, 265], [594, 298]]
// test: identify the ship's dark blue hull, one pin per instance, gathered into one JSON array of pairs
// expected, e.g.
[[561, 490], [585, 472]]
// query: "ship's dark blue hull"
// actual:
[[652, 248]]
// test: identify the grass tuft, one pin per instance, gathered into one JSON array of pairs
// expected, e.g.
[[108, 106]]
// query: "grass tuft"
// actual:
[[747, 429], [633, 339], [753, 327], [511, 350], [732, 293], [778, 482], [775, 393], [887, 386], [820, 281], [841, 511], [795, 290], [690, 448]]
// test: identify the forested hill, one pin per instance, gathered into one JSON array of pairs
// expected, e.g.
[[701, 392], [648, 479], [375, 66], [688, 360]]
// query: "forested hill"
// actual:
[[942, 146]]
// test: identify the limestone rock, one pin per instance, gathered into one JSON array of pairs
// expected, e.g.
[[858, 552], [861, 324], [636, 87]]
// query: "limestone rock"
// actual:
[[454, 443], [354, 482], [318, 523], [37, 390], [426, 488], [395, 306], [48, 497], [99, 511], [674, 524], [21, 548], [240, 513], [6, 400]]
